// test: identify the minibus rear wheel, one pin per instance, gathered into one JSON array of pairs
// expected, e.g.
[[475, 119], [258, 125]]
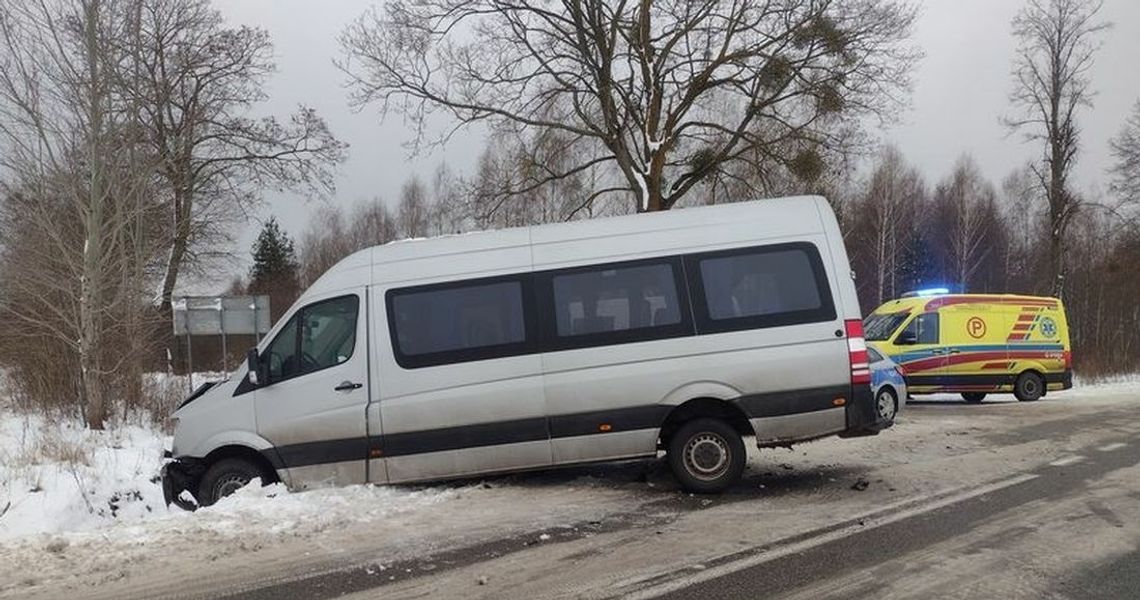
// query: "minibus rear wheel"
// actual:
[[1029, 387], [973, 397], [706, 455], [226, 477]]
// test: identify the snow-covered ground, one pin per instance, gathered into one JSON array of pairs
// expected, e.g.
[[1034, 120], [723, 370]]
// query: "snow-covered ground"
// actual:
[[60, 481]]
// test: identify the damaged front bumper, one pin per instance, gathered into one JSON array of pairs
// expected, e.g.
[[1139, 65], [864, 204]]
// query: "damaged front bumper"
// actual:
[[181, 475]]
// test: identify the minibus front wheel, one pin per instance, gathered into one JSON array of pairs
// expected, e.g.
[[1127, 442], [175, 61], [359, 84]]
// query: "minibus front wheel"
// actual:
[[227, 476], [706, 455]]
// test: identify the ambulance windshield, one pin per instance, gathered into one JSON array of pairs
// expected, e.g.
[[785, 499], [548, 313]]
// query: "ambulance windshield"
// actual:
[[878, 328]]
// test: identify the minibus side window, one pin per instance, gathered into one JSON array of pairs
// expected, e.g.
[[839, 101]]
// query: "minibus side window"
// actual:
[[458, 322], [282, 352], [319, 336], [611, 299], [329, 334]]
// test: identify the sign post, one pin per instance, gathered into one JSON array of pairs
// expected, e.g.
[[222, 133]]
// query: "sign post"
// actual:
[[221, 316]]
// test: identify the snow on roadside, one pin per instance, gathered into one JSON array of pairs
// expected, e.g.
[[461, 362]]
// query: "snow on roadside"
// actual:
[[62, 481], [59, 476], [1125, 382]]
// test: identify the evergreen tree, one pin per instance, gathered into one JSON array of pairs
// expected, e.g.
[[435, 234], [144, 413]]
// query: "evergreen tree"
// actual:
[[275, 271]]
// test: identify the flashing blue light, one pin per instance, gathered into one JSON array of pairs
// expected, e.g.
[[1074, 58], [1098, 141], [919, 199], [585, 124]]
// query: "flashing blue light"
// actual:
[[932, 292]]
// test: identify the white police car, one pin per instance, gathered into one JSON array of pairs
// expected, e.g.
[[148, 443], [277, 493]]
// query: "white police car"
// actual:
[[888, 384]]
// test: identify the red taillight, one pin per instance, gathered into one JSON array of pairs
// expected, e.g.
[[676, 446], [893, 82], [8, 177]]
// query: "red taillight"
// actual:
[[857, 350], [1068, 359]]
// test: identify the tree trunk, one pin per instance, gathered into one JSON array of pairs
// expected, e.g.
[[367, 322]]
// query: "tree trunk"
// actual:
[[90, 295], [179, 244]]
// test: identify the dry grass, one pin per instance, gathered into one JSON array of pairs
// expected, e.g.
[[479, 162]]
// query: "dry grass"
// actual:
[[46, 445]]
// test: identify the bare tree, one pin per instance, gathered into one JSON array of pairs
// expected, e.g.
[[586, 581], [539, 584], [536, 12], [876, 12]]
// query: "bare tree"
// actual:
[[328, 239], [1023, 214], [197, 81], [448, 207], [966, 203], [895, 194], [413, 211], [662, 94], [73, 205], [1057, 40], [1126, 170]]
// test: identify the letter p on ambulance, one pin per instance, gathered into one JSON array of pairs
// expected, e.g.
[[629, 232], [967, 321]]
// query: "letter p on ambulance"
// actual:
[[976, 327]]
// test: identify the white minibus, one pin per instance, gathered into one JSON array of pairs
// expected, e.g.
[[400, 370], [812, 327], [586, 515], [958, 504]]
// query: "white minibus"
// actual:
[[683, 331]]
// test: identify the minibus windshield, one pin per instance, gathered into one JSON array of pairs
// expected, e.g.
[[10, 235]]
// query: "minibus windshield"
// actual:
[[878, 328]]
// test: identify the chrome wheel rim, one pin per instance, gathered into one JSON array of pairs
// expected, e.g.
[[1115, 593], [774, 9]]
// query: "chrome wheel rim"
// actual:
[[886, 405], [707, 456]]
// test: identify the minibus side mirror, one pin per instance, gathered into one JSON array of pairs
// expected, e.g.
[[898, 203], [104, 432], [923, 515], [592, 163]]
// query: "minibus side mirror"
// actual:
[[906, 338], [253, 361]]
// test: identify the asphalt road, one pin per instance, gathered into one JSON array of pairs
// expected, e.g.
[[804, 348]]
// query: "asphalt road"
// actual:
[[1009, 526], [1044, 503]]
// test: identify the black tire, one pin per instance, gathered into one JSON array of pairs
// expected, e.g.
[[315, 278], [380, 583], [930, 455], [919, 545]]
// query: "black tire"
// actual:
[[706, 456], [1029, 387], [226, 477], [973, 397], [886, 404]]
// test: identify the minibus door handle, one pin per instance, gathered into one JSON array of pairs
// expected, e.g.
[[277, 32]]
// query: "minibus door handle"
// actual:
[[346, 386]]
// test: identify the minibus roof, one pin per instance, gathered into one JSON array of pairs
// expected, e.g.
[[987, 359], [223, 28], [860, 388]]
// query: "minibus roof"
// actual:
[[622, 237]]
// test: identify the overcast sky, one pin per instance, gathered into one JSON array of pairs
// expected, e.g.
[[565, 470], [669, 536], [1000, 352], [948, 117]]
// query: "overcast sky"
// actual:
[[961, 89]]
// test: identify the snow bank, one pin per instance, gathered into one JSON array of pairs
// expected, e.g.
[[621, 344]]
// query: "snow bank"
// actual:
[[1128, 382], [62, 481], [57, 477]]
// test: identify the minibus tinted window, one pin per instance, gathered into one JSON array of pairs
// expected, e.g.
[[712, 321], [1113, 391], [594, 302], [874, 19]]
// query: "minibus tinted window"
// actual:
[[616, 299], [282, 352], [329, 335], [767, 283], [459, 318], [755, 288], [327, 338]]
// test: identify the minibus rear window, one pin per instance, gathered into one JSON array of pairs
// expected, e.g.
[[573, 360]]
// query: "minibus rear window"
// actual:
[[754, 288]]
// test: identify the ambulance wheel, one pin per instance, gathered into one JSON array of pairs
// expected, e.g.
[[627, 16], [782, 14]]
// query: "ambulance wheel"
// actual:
[[1029, 387], [973, 397], [706, 456]]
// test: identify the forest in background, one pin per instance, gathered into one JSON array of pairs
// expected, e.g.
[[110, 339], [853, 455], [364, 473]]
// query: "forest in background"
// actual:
[[134, 149]]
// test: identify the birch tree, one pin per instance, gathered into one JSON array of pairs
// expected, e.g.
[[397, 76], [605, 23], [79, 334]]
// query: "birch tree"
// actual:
[[967, 212], [662, 94], [72, 182], [1057, 40], [1125, 170], [895, 195]]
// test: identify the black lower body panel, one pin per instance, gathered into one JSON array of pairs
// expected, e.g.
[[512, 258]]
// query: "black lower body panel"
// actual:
[[862, 414]]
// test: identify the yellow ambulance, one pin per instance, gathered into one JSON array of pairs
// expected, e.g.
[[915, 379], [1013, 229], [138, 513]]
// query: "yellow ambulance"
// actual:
[[975, 344]]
